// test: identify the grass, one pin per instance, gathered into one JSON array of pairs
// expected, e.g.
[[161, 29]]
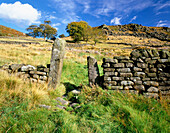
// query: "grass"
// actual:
[[101, 111]]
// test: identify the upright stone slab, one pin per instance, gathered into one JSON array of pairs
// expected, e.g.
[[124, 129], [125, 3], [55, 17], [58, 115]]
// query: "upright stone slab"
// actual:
[[93, 71], [56, 64]]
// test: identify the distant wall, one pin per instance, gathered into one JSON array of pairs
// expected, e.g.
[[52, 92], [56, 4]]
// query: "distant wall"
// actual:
[[146, 72], [27, 72]]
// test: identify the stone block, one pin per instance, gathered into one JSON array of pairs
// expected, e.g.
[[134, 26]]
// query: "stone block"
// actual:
[[140, 74], [126, 61], [163, 74], [41, 73], [155, 53], [108, 69], [153, 90], [139, 87], [151, 83], [124, 70], [152, 61], [163, 60], [129, 65], [154, 70], [150, 52], [126, 74], [122, 57], [146, 79], [137, 69], [138, 82], [117, 87], [140, 60], [117, 78], [110, 83], [142, 65], [151, 75], [127, 83], [119, 65], [135, 79], [111, 73], [108, 60], [35, 76]]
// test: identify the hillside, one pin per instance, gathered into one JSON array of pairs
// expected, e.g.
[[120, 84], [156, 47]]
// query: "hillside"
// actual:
[[6, 31], [161, 33]]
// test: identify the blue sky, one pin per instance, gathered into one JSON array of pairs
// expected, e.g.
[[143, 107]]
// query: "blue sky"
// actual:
[[19, 14]]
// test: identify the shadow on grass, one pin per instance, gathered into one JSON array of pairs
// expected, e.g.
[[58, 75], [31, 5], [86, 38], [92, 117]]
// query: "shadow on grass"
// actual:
[[69, 87]]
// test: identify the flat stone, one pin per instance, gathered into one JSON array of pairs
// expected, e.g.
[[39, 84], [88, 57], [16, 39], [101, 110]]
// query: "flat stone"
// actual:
[[137, 69], [135, 79], [75, 92], [117, 87], [151, 83], [119, 65], [140, 60], [108, 60], [163, 74], [117, 78], [138, 82], [155, 53], [111, 73], [41, 73], [154, 70], [110, 83], [62, 101], [127, 83], [139, 87], [139, 74], [35, 76], [124, 70], [108, 69], [126, 74], [129, 65], [153, 90], [122, 57], [141, 65], [151, 75], [150, 52], [126, 61], [27, 68], [163, 60], [152, 61]]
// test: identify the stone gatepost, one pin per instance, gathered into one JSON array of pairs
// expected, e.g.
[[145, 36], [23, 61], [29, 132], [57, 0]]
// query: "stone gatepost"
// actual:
[[56, 63], [93, 71]]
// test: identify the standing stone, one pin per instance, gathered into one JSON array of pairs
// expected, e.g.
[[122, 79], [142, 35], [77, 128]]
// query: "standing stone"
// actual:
[[56, 64], [93, 71]]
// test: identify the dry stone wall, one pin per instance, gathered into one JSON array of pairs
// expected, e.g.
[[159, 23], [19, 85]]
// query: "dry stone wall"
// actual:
[[27, 72], [146, 71]]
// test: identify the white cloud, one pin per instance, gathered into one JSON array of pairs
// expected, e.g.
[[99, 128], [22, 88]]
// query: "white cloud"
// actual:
[[20, 13], [163, 23], [116, 21], [134, 18], [121, 7], [57, 24], [160, 5]]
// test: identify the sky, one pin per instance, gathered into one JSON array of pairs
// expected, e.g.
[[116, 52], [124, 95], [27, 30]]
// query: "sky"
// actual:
[[19, 14]]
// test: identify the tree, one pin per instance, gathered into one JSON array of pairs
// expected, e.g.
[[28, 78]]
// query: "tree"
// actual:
[[33, 30], [43, 30], [62, 36], [77, 30], [47, 30], [97, 34]]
